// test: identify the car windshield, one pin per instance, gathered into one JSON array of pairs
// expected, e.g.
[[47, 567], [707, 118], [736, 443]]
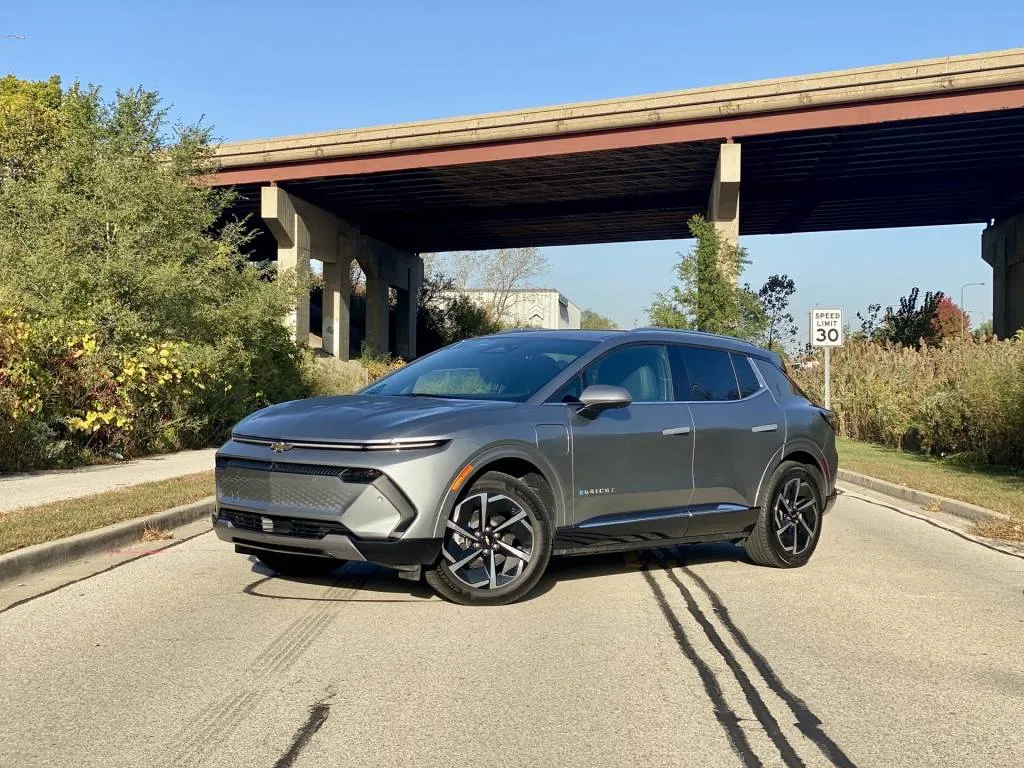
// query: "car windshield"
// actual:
[[490, 368]]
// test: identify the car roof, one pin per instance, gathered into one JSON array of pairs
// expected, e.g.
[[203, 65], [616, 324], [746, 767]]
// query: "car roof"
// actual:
[[696, 338]]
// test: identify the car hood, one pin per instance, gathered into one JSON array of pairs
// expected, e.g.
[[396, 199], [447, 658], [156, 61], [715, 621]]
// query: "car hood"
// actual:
[[360, 417]]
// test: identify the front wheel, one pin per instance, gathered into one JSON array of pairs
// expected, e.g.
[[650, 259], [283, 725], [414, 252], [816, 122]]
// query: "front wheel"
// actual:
[[496, 544], [789, 524]]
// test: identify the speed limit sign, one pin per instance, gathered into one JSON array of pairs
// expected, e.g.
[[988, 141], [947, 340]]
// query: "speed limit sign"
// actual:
[[827, 332], [826, 327]]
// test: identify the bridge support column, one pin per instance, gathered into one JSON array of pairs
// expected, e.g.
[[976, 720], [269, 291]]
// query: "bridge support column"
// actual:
[[1002, 246], [724, 201], [337, 300], [293, 250], [305, 232], [386, 267], [408, 301]]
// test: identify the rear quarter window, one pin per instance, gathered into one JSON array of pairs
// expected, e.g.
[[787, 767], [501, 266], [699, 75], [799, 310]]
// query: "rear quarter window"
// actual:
[[778, 382], [749, 385]]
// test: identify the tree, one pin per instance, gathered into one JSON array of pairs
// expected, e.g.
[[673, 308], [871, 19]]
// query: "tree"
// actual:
[[595, 321], [445, 316], [780, 330], [502, 272], [29, 122], [708, 297], [950, 321], [912, 325], [870, 323], [150, 328]]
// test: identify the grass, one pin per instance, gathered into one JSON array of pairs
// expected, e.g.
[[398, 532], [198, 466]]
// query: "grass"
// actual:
[[995, 488], [34, 525]]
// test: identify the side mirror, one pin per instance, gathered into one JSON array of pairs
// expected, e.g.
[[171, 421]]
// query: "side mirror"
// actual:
[[598, 397]]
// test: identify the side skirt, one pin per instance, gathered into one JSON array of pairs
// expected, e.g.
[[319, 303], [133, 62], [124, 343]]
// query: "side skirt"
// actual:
[[658, 529]]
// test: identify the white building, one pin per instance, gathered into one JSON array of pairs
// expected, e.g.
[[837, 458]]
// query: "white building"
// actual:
[[531, 307]]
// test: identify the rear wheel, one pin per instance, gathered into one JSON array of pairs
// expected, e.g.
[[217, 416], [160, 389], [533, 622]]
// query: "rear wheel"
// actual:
[[789, 524], [496, 545], [298, 565]]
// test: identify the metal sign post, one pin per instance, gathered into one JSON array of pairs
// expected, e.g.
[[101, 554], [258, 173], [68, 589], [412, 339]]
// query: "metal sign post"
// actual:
[[827, 332]]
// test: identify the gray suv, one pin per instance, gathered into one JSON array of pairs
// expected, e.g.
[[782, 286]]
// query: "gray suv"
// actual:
[[472, 466]]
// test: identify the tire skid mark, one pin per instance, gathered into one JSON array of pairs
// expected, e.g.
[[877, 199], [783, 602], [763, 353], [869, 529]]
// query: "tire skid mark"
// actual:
[[726, 717], [202, 735], [809, 724], [757, 704]]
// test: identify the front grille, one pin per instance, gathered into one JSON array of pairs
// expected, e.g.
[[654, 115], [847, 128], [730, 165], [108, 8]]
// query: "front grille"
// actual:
[[282, 526], [349, 474], [290, 488]]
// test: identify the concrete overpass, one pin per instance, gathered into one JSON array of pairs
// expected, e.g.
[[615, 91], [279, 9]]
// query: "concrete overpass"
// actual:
[[929, 142]]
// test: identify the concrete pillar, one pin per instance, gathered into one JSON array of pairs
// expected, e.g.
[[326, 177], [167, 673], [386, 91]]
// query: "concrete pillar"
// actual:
[[386, 266], [1002, 246], [377, 314], [337, 301], [293, 249], [408, 301], [724, 201], [304, 231]]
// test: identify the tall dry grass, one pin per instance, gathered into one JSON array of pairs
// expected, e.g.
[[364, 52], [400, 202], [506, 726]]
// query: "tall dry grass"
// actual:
[[965, 397]]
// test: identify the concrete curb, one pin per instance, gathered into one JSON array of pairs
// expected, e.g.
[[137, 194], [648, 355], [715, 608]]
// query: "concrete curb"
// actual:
[[960, 509], [39, 557]]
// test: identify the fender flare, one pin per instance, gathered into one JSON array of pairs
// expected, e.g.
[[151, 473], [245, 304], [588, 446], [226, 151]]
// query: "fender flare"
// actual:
[[792, 446], [496, 452]]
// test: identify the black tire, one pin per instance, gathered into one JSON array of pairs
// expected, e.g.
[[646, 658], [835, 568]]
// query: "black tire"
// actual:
[[530, 536], [770, 542], [298, 565]]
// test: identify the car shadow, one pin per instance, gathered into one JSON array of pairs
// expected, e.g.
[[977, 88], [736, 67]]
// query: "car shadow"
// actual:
[[568, 568], [358, 582]]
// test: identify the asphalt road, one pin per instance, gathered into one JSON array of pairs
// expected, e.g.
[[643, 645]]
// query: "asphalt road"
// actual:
[[901, 644]]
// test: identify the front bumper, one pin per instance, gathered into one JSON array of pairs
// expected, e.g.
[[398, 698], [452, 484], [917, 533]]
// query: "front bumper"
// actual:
[[342, 546]]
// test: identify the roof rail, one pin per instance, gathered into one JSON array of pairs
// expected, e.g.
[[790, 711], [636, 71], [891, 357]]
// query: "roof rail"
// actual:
[[648, 328]]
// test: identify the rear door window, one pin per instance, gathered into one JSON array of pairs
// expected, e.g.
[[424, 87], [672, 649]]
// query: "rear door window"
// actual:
[[709, 375]]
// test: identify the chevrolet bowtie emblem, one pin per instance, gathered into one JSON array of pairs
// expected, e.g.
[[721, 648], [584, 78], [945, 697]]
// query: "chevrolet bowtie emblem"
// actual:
[[281, 447]]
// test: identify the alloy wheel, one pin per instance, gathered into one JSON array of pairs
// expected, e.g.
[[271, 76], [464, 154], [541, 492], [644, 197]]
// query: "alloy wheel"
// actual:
[[489, 541], [796, 515]]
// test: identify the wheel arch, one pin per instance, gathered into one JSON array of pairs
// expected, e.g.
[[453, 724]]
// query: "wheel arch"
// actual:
[[517, 459], [807, 453]]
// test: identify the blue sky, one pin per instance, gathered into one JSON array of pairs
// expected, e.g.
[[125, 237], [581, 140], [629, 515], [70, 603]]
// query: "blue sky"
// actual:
[[261, 68]]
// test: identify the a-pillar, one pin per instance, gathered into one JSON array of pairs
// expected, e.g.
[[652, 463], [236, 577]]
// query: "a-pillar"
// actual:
[[1002, 246], [724, 200]]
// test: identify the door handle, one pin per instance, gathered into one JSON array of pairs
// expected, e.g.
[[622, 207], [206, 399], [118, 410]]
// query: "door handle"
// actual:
[[676, 431], [765, 428]]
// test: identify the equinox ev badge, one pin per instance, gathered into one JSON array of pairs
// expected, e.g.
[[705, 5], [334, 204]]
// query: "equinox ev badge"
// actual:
[[281, 447]]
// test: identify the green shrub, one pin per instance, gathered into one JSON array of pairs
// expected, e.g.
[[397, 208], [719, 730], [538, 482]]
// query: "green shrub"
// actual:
[[330, 376], [133, 320], [964, 397]]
